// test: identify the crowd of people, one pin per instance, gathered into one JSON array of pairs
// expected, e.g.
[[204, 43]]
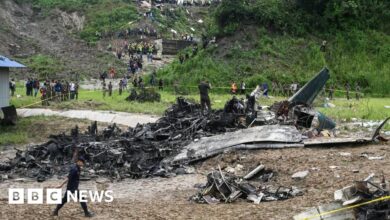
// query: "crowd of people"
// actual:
[[188, 2], [136, 81], [135, 50], [61, 90], [55, 90]]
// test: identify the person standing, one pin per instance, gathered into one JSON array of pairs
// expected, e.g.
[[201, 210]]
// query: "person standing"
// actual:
[[125, 81], [331, 91], [161, 84], [72, 187], [153, 79], [347, 88], [274, 88], [110, 89], [35, 87], [44, 96], [204, 88], [181, 59], [72, 89], [58, 90], [233, 88], [265, 89], [12, 87], [357, 91], [120, 87], [104, 89], [323, 46], [27, 87], [242, 87], [52, 90], [112, 72], [76, 90]]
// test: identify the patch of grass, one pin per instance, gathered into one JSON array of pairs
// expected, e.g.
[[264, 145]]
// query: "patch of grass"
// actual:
[[27, 130], [108, 16], [44, 66], [37, 129], [367, 108]]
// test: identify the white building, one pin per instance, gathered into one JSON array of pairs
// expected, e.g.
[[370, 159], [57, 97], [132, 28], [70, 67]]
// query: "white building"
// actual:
[[5, 64]]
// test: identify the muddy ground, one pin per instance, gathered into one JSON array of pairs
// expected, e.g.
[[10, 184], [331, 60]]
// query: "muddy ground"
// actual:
[[167, 198]]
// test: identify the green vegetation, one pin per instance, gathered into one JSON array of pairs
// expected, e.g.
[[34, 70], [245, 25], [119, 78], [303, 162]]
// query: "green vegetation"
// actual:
[[355, 57], [101, 15], [28, 130], [279, 40], [303, 16], [16, 134], [37, 129], [44, 66], [107, 17], [176, 19]]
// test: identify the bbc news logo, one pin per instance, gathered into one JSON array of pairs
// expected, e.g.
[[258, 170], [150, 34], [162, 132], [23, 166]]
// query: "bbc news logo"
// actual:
[[54, 196]]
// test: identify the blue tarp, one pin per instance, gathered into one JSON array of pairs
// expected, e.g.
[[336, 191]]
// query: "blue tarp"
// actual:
[[6, 62]]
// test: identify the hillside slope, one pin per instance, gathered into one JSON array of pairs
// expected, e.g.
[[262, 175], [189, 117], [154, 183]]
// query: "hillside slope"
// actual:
[[65, 38], [47, 42], [267, 41]]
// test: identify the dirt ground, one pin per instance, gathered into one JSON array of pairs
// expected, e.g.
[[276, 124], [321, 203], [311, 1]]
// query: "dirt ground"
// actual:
[[167, 198]]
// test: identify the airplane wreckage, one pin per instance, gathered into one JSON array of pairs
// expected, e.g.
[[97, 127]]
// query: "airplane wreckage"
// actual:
[[182, 136]]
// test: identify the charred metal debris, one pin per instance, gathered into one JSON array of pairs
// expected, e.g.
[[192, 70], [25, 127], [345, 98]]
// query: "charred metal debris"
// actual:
[[223, 187], [184, 135], [363, 200], [145, 95], [134, 153]]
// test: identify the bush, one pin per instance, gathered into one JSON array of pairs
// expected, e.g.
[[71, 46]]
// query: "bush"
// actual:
[[44, 66], [302, 16]]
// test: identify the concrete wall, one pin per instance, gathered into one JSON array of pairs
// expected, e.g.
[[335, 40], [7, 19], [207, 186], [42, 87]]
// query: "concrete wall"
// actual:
[[4, 87]]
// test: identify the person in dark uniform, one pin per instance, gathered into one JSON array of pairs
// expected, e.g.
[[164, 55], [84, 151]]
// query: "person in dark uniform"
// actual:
[[204, 88], [110, 89], [357, 91], [72, 186], [347, 88], [331, 91]]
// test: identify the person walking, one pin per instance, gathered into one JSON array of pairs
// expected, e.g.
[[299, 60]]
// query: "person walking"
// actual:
[[204, 88], [72, 187]]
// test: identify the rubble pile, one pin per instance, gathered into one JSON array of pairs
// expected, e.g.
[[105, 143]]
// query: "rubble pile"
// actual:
[[145, 95], [227, 188], [135, 153]]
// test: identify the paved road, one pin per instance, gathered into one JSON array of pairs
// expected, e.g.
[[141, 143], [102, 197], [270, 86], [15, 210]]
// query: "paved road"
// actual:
[[121, 118]]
